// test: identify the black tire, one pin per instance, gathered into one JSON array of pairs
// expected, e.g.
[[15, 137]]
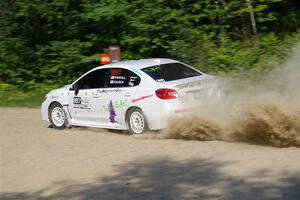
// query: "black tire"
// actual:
[[57, 116], [136, 122]]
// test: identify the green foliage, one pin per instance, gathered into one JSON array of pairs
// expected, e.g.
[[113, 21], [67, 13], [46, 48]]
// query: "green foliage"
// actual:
[[20, 99], [53, 42], [12, 96], [62, 59], [246, 56]]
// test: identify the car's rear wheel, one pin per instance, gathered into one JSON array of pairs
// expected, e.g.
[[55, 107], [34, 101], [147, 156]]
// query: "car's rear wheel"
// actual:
[[57, 116], [136, 121]]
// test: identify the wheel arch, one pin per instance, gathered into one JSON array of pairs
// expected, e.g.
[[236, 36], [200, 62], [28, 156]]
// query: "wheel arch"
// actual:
[[142, 112], [130, 108], [135, 107], [53, 102], [65, 122]]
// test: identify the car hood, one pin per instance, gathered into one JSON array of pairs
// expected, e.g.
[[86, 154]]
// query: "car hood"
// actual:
[[60, 90]]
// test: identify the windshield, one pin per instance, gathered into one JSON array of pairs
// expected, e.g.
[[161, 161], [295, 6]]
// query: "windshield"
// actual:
[[170, 72]]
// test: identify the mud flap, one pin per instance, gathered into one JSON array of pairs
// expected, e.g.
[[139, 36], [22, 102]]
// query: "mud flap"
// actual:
[[69, 117]]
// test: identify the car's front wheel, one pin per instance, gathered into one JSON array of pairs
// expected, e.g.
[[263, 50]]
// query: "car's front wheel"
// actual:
[[57, 116], [136, 121]]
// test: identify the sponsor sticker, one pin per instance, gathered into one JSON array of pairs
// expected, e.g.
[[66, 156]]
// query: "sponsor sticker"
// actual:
[[81, 103], [118, 77], [117, 104], [160, 80], [116, 82], [152, 69], [112, 112], [109, 90], [189, 85]]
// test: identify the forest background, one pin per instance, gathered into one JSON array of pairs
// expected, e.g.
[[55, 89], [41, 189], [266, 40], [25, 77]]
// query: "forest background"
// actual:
[[45, 44]]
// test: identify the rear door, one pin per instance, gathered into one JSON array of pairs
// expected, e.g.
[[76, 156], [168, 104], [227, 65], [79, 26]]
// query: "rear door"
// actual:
[[122, 85]]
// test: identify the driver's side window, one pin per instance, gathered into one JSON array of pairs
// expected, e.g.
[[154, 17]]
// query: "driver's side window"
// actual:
[[93, 80]]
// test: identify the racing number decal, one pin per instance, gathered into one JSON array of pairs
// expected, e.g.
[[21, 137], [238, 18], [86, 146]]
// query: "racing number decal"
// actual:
[[82, 103], [77, 100], [116, 72]]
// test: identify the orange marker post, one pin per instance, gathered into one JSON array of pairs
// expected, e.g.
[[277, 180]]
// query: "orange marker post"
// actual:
[[104, 59]]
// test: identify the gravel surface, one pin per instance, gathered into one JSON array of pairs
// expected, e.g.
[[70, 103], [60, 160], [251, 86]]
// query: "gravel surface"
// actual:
[[38, 162]]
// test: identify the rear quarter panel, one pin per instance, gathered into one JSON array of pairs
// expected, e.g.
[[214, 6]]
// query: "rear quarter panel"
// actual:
[[155, 110]]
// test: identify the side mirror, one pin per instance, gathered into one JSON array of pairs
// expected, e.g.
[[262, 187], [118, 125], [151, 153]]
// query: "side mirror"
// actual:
[[75, 88]]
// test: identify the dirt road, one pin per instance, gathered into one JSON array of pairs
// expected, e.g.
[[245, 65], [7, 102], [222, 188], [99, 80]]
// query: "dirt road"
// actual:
[[38, 162]]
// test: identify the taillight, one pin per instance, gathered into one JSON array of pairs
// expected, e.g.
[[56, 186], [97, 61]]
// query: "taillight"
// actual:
[[166, 93], [45, 97]]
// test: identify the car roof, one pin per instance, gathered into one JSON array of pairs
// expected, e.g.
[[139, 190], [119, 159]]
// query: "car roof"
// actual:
[[139, 64]]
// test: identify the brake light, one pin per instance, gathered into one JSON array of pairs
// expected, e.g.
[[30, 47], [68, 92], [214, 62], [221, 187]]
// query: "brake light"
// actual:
[[166, 93], [45, 97]]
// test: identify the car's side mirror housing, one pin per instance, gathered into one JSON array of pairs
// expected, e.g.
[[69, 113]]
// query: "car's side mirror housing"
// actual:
[[75, 88]]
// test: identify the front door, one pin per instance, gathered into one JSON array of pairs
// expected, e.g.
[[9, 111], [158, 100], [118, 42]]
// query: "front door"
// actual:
[[80, 106], [85, 101]]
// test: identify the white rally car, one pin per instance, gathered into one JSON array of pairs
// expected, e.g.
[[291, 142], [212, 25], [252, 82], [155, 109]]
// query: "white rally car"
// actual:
[[130, 95]]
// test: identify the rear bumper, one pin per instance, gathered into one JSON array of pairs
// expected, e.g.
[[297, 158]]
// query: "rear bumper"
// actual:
[[159, 116]]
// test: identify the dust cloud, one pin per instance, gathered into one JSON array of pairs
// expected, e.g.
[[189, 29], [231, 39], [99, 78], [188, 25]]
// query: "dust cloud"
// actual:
[[265, 113]]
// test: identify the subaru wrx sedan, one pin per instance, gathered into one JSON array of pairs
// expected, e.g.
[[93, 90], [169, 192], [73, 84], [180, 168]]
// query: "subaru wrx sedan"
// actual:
[[136, 95]]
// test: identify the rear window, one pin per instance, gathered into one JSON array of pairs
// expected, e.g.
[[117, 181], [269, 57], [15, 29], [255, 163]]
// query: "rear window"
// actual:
[[170, 72]]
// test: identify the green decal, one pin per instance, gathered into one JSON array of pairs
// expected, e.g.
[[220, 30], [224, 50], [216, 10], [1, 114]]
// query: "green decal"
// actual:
[[117, 104], [153, 69]]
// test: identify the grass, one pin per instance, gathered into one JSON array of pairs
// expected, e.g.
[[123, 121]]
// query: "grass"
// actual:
[[20, 99]]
